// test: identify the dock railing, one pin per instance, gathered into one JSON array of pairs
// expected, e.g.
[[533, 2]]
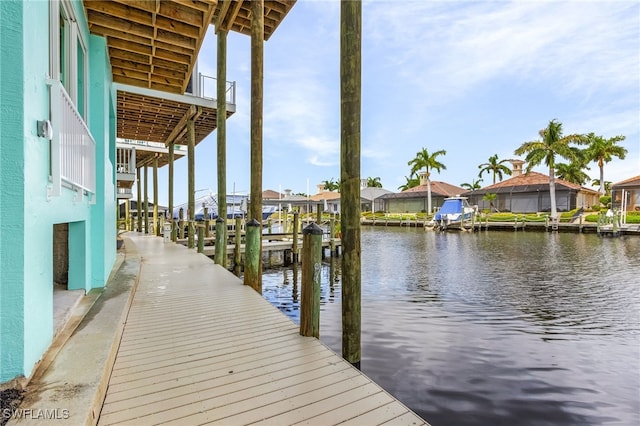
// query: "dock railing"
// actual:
[[73, 149]]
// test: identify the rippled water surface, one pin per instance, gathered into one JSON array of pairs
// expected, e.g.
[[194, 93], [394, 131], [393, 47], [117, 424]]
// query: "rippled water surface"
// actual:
[[493, 328]]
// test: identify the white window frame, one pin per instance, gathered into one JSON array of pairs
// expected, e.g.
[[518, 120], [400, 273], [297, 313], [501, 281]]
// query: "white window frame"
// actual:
[[63, 9]]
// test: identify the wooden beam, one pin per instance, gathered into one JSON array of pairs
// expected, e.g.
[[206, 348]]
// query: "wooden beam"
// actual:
[[181, 124], [118, 10], [121, 35], [177, 12], [118, 24], [130, 46], [129, 56]]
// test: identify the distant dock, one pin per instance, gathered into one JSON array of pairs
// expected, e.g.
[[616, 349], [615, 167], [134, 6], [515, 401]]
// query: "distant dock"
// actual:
[[586, 228]]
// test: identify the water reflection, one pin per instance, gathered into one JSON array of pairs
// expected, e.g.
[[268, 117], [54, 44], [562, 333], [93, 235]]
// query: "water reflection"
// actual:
[[493, 328]]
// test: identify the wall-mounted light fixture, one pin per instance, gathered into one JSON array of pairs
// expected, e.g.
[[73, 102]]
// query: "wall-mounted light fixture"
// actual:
[[44, 129]]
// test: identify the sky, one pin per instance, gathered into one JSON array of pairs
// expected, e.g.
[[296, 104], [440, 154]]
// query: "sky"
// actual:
[[473, 78]]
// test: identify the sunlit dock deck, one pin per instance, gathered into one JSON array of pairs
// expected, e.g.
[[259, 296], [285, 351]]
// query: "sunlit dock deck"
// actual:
[[198, 347]]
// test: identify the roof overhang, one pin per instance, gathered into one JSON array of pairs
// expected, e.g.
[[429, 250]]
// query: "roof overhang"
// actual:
[[233, 15], [151, 115]]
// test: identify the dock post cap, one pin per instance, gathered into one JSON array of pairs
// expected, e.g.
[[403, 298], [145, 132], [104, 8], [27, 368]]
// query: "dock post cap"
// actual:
[[312, 229], [219, 219], [253, 222]]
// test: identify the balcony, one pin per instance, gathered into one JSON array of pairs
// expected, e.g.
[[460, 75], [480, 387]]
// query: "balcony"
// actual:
[[73, 149], [126, 166]]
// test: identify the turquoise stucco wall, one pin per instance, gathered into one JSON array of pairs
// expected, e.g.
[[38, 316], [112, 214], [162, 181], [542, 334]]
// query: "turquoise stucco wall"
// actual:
[[11, 190], [103, 213], [27, 214]]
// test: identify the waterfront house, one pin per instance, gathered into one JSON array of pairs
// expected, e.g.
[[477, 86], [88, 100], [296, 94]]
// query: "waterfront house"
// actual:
[[415, 200], [626, 194], [529, 193], [58, 193], [370, 198], [78, 79]]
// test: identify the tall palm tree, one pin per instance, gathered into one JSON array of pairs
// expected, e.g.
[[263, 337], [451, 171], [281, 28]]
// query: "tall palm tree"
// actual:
[[374, 182], [475, 184], [602, 151], [552, 144], [495, 167], [424, 160]]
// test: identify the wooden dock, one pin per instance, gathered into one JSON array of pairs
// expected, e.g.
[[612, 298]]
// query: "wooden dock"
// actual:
[[198, 347]]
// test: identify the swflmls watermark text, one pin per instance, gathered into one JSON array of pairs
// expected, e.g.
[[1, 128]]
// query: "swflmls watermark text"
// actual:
[[35, 413]]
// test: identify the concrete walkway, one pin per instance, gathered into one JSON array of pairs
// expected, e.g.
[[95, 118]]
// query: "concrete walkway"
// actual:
[[198, 347]]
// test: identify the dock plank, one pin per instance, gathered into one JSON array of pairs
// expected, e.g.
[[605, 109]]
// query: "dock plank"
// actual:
[[199, 347]]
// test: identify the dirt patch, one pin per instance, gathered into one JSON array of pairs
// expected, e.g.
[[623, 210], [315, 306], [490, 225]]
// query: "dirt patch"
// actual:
[[10, 400]]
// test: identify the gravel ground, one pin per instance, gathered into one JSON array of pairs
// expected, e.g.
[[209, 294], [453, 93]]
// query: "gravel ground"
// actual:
[[9, 401]]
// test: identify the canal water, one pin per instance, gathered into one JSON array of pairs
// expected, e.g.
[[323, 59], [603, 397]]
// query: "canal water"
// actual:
[[492, 328]]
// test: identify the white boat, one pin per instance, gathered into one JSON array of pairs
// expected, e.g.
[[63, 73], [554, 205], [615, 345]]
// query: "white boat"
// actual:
[[453, 213]]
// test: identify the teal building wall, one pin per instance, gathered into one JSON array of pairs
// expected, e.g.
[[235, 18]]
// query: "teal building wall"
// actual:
[[27, 213]]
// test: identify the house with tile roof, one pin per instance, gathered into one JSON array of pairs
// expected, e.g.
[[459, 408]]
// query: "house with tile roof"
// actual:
[[529, 192], [415, 200], [628, 191]]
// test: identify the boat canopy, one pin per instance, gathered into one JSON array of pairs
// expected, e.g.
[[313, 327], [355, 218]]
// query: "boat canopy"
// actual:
[[450, 206]]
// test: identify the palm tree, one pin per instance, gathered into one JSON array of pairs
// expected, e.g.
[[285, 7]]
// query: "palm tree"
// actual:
[[552, 145], [374, 182], [330, 185], [574, 171], [490, 198], [475, 184], [607, 185], [424, 160], [495, 167], [602, 151], [412, 181]]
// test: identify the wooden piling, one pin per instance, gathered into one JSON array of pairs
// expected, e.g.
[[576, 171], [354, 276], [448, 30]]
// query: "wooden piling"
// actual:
[[191, 163], [139, 202], [170, 183], [311, 273], [146, 200], [252, 253], [207, 223], [156, 219], [221, 125], [332, 236], [181, 223], [319, 214], [350, 110], [237, 259], [200, 237], [294, 248], [220, 255], [127, 216]]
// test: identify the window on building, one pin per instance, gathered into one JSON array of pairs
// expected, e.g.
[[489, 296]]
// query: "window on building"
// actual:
[[68, 53]]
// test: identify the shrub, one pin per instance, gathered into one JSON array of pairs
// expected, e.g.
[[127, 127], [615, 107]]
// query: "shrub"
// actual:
[[605, 200]]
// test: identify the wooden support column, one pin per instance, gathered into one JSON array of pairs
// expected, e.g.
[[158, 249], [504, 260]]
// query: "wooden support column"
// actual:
[[146, 200], [171, 159], [139, 202], [252, 253], [311, 273], [257, 76], [127, 215], [350, 107], [156, 219], [191, 208], [221, 123]]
